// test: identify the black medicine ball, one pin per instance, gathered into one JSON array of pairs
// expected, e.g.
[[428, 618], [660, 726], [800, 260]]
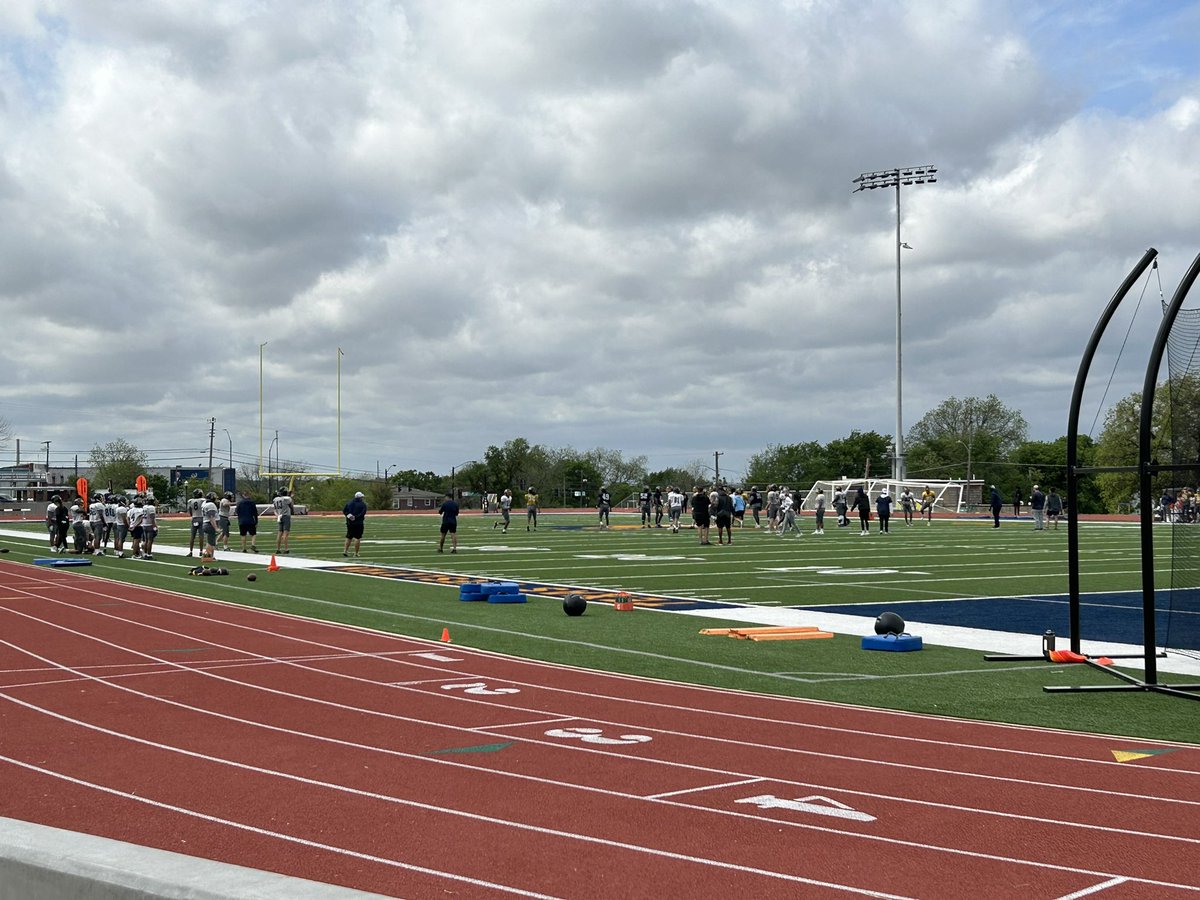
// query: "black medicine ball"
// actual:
[[889, 623], [574, 605]]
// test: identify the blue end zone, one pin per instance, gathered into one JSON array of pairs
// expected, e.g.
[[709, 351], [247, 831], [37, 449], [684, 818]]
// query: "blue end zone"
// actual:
[[1111, 618]]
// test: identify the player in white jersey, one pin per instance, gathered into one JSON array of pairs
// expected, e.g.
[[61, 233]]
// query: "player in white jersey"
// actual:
[[110, 518], [136, 531], [209, 513], [194, 506], [149, 527], [79, 527], [772, 507], [97, 519], [674, 508], [52, 525], [284, 508], [787, 513], [224, 509], [121, 519]]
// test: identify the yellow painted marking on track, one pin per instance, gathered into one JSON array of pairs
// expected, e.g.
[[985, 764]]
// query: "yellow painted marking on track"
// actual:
[[1134, 755]]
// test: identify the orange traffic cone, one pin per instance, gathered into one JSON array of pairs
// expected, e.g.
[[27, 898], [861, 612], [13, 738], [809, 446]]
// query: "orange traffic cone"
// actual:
[[274, 566], [445, 635]]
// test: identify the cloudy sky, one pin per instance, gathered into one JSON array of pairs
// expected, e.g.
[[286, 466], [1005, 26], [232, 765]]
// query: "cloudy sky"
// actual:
[[617, 223]]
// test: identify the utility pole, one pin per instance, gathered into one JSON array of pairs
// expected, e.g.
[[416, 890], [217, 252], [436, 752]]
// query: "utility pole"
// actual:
[[47, 445], [212, 433], [717, 454]]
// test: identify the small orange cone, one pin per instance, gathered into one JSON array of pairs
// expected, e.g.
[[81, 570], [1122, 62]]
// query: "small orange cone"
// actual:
[[274, 566], [445, 635]]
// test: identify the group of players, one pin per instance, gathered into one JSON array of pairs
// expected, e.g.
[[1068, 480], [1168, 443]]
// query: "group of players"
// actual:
[[112, 518], [727, 507], [106, 518]]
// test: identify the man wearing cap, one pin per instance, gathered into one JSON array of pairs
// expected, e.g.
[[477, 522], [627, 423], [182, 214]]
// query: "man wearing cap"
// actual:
[[356, 514], [1037, 505]]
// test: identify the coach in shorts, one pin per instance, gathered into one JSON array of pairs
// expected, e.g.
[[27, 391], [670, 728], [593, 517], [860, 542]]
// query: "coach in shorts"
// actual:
[[247, 516], [356, 514]]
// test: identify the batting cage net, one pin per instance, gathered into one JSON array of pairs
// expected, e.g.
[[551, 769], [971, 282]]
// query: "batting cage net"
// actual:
[[1178, 500]]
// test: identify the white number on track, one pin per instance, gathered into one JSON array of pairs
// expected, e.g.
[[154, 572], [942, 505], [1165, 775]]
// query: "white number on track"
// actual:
[[596, 736], [479, 687]]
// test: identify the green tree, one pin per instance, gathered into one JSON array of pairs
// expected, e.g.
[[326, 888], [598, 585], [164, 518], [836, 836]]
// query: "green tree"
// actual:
[[849, 455], [614, 468], [420, 481], [1175, 438], [793, 464], [579, 474], [116, 465], [973, 432], [680, 478], [514, 465], [161, 488]]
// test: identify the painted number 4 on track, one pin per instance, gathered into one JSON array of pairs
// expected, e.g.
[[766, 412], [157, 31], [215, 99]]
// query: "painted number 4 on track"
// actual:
[[821, 806]]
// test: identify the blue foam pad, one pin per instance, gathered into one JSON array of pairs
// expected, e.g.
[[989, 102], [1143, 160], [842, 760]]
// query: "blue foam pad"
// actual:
[[900, 643], [63, 562], [499, 587], [470, 592], [507, 598]]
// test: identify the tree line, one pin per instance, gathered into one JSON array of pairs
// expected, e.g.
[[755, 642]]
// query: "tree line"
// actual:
[[959, 438]]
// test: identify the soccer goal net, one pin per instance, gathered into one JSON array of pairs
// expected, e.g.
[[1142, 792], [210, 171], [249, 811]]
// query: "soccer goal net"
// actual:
[[947, 495]]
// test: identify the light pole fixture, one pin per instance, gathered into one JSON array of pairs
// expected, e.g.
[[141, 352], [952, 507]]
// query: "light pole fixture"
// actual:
[[868, 181], [967, 447], [260, 409], [454, 470], [226, 430]]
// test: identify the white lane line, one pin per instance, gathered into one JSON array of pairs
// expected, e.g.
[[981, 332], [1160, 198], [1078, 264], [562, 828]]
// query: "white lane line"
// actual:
[[704, 787], [1094, 889]]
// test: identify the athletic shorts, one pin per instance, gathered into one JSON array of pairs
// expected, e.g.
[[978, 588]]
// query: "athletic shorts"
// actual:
[[223, 527], [506, 515], [724, 520], [245, 528], [122, 531], [210, 533], [702, 520], [138, 532], [449, 528], [285, 523], [354, 530], [197, 526]]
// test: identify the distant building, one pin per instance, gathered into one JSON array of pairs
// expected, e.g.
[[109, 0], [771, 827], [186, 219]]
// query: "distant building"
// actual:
[[412, 498]]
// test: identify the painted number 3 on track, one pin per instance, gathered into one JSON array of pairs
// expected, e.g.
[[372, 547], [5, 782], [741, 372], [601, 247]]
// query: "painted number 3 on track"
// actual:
[[596, 736]]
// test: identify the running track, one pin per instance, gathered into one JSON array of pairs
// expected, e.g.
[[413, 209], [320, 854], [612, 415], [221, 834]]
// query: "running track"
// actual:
[[423, 769]]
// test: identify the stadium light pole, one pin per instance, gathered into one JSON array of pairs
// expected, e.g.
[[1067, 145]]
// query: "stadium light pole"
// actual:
[[868, 181], [260, 406]]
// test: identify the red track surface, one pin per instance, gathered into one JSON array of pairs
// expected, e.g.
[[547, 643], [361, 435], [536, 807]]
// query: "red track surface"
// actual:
[[423, 769]]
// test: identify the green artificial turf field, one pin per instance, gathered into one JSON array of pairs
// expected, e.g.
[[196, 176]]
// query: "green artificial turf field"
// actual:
[[949, 559]]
